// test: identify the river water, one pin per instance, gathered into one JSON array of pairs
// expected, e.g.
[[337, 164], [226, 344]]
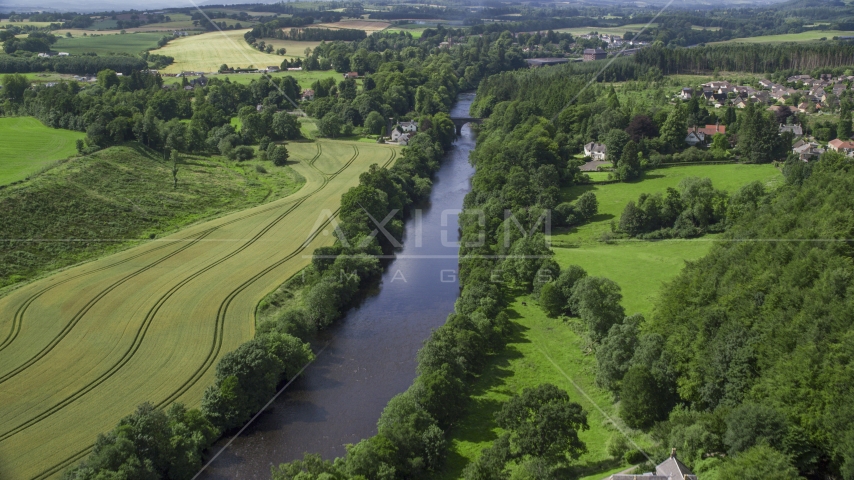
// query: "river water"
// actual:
[[370, 354]]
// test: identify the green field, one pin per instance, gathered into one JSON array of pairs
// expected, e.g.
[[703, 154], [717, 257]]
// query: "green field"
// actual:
[[29, 146], [810, 36], [149, 323], [39, 77], [614, 197], [304, 77], [207, 51], [556, 351], [132, 43], [634, 27], [415, 32]]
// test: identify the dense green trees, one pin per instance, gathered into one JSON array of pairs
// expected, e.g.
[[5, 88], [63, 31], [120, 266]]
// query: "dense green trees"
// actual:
[[692, 210], [150, 443], [757, 329], [541, 427]]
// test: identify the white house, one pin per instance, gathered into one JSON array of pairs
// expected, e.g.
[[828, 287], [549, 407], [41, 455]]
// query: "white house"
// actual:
[[596, 151], [400, 137], [408, 127]]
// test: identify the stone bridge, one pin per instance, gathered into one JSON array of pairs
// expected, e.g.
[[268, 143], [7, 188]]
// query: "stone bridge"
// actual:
[[460, 121]]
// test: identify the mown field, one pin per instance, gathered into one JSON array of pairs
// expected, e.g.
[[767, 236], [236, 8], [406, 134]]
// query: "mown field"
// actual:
[[29, 146], [634, 27], [810, 36], [556, 351], [83, 347], [207, 51], [294, 48], [369, 26], [614, 197], [103, 44]]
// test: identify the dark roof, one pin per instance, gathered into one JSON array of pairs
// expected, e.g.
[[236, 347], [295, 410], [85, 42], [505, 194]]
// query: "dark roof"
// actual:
[[539, 62], [591, 51], [673, 468]]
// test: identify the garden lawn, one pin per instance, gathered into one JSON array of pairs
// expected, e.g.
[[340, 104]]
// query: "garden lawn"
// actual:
[[29, 146], [613, 197], [105, 44]]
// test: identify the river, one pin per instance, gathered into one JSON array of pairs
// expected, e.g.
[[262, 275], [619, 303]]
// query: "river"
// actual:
[[370, 354]]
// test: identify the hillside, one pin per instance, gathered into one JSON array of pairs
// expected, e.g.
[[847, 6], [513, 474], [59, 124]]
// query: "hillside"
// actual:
[[99, 203]]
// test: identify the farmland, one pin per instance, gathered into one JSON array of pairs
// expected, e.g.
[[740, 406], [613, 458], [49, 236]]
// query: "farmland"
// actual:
[[811, 36], [103, 44], [369, 26], [29, 146], [294, 48], [635, 27], [206, 52], [148, 324], [304, 77], [132, 187]]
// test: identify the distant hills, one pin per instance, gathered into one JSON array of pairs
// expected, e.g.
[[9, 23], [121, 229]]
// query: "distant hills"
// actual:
[[119, 5]]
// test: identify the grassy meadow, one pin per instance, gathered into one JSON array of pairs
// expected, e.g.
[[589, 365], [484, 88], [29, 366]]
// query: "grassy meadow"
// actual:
[[104, 44], [105, 184], [613, 197], [368, 26], [206, 52], [304, 77], [29, 146], [556, 351], [149, 323], [811, 36], [634, 27]]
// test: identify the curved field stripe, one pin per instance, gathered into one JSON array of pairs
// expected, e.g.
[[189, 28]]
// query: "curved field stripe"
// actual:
[[223, 307], [16, 322], [140, 334], [18, 319], [103, 293], [68, 462], [220, 320]]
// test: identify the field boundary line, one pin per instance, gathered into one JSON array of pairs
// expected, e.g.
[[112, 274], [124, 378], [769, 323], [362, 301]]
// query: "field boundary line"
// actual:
[[593, 402]]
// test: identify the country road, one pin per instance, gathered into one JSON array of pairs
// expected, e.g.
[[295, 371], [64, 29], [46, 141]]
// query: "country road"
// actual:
[[81, 348]]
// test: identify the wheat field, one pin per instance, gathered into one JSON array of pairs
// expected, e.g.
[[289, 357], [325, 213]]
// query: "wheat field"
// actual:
[[81, 348]]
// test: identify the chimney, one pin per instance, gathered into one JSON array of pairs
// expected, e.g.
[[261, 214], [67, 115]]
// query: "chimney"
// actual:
[[673, 452]]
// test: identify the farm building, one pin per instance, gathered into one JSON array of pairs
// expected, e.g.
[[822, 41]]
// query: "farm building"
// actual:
[[670, 469], [591, 54]]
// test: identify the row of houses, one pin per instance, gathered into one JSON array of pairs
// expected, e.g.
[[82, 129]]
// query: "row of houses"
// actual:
[[53, 54], [721, 93]]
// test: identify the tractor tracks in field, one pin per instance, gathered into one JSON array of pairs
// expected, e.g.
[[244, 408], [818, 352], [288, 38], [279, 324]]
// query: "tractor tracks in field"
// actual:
[[149, 317], [19, 314], [219, 325]]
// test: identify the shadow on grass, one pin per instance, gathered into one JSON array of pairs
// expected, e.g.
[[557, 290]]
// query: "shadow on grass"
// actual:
[[570, 194], [479, 420]]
